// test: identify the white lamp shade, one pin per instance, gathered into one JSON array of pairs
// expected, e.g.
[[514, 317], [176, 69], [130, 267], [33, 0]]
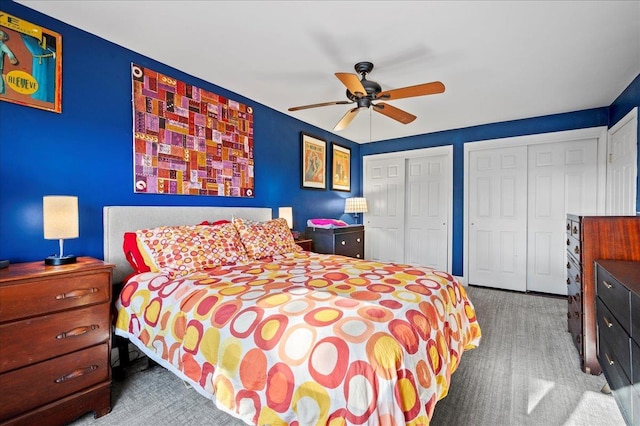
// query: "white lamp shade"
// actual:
[[60, 216], [286, 213], [355, 205]]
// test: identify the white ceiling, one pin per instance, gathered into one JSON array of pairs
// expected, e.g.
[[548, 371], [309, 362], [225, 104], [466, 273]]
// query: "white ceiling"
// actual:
[[499, 60]]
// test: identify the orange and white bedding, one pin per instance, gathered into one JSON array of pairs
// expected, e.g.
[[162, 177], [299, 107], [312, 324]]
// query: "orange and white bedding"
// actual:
[[306, 339]]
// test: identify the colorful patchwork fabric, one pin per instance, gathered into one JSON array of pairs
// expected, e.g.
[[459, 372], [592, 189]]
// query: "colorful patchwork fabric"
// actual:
[[181, 250], [267, 238], [306, 338]]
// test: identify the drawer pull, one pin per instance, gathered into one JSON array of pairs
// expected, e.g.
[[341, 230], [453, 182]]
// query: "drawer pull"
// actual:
[[577, 278], [568, 242], [568, 227], [607, 322], [609, 360], [78, 331], [358, 239], [568, 265], [576, 250], [358, 255], [77, 293], [568, 281], [76, 373], [575, 230], [606, 284], [343, 242]]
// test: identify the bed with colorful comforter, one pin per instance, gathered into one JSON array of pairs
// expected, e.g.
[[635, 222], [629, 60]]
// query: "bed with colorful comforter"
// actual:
[[296, 337]]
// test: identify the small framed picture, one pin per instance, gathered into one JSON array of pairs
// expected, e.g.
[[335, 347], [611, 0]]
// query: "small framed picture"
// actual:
[[313, 165], [340, 168]]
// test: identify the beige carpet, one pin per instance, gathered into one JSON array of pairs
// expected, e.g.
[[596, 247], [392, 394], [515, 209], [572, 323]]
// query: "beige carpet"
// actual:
[[525, 372]]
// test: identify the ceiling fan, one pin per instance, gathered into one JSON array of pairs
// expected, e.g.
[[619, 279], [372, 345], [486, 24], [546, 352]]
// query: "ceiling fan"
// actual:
[[364, 92]]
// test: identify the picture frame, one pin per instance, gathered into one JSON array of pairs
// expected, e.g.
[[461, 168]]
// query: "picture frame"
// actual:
[[340, 168], [313, 162], [31, 64]]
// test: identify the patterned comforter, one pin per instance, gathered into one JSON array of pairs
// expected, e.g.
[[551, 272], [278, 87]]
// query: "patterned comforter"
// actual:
[[306, 338]]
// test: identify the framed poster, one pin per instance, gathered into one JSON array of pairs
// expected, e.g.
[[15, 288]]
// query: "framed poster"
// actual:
[[30, 64], [313, 164], [340, 168]]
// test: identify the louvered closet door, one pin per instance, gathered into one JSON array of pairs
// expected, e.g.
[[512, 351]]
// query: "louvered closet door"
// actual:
[[498, 218]]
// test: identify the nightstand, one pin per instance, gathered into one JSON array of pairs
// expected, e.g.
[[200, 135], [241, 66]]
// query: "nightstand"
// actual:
[[55, 335], [305, 243], [345, 241]]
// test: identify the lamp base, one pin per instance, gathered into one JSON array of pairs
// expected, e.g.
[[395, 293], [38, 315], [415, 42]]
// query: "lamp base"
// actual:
[[57, 261]]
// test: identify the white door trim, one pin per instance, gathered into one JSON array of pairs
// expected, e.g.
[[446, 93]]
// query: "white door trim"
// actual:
[[446, 150], [599, 133]]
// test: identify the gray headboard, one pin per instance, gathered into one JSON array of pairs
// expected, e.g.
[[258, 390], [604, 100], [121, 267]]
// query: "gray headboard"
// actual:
[[121, 219]]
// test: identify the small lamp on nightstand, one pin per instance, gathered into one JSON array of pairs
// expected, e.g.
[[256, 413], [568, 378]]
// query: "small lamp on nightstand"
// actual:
[[356, 205], [60, 219], [287, 214]]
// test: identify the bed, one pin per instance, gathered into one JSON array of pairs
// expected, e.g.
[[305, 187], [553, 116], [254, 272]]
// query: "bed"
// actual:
[[276, 335]]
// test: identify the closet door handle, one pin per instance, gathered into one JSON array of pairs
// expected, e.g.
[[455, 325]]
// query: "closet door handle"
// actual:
[[606, 284]]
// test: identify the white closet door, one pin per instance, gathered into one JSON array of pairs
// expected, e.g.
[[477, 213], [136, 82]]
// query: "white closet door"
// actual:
[[384, 188], [427, 211], [622, 166], [562, 179], [498, 218]]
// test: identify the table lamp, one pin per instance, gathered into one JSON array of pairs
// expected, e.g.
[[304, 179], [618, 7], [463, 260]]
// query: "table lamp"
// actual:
[[60, 220], [355, 205]]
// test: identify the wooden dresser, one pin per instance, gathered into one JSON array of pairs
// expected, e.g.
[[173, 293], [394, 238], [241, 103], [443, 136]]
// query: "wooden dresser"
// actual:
[[618, 331], [55, 335], [345, 241], [590, 238]]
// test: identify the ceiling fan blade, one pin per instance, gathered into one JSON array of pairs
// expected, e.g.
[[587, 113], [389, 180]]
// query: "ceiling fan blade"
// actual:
[[395, 113], [346, 119], [298, 108], [408, 92], [352, 82]]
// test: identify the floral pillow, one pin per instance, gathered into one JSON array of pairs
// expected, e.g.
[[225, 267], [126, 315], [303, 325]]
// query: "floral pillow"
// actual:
[[265, 239], [181, 250]]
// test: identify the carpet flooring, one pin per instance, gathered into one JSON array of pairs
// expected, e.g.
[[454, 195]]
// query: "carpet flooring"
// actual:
[[526, 371]]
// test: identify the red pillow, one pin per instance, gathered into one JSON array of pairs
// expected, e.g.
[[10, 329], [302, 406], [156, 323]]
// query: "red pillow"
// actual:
[[132, 253], [218, 222]]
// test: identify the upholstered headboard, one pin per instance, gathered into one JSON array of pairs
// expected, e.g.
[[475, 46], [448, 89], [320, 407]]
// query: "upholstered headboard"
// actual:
[[121, 219]]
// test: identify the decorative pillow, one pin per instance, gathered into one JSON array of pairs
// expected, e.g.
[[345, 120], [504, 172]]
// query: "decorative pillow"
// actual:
[[181, 250], [266, 238], [139, 259]]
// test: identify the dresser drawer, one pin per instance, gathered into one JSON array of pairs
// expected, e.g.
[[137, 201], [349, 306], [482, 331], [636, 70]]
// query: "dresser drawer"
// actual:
[[615, 296], [350, 244], [52, 294], [573, 227], [52, 335], [574, 279], [30, 387], [614, 340], [574, 248], [635, 318]]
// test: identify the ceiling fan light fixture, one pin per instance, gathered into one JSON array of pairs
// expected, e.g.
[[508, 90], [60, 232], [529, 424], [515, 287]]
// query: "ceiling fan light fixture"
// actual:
[[363, 92]]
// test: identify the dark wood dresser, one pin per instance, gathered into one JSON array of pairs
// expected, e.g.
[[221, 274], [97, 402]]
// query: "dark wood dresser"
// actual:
[[55, 338], [345, 241], [590, 238], [618, 331]]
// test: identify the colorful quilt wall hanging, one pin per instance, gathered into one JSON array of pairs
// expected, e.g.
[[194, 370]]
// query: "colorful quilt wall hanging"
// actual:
[[189, 141]]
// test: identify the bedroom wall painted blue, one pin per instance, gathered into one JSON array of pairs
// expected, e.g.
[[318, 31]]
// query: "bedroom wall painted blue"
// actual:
[[87, 150]]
